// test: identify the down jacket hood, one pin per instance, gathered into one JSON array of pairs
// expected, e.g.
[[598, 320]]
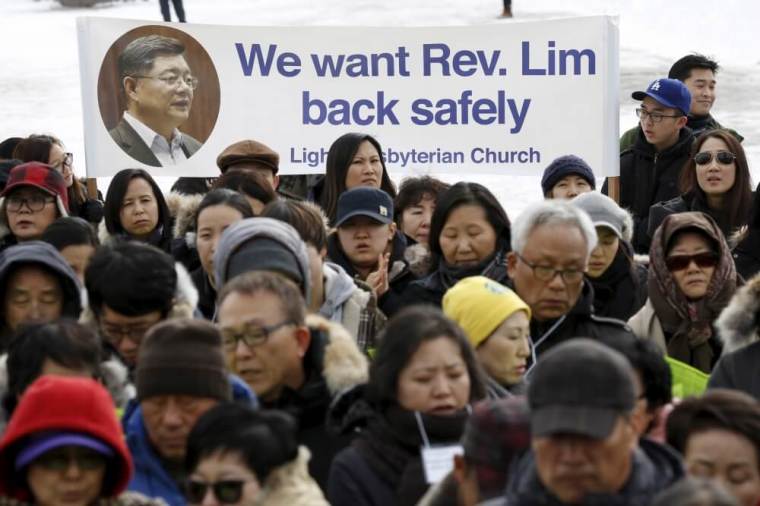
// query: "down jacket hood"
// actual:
[[42, 253], [245, 230], [738, 324]]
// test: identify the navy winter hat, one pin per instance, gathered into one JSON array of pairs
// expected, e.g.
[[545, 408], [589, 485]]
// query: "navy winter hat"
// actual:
[[669, 92], [564, 166], [364, 201]]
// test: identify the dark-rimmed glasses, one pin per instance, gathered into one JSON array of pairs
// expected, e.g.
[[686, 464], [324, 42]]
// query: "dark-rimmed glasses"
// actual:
[[723, 157], [656, 117], [546, 273], [35, 202], [251, 334]]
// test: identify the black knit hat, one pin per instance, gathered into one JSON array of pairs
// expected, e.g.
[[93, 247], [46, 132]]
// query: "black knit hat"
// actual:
[[182, 357], [564, 166]]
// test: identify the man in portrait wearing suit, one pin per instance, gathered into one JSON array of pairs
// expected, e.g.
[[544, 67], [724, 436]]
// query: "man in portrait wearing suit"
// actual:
[[158, 86]]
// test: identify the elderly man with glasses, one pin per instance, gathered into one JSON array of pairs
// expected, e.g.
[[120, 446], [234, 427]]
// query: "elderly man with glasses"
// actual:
[[158, 87], [551, 244], [294, 363]]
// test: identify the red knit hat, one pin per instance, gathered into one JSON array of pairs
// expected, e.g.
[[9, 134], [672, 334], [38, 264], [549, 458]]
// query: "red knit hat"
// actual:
[[38, 175], [73, 405]]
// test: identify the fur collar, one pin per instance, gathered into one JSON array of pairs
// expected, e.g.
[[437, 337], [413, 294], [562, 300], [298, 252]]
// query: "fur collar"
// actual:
[[291, 484], [344, 365], [738, 323]]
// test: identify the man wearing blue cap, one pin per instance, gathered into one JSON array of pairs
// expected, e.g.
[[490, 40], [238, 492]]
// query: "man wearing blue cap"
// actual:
[[649, 170]]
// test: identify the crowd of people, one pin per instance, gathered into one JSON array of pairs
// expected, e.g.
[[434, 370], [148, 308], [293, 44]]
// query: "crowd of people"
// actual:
[[277, 340]]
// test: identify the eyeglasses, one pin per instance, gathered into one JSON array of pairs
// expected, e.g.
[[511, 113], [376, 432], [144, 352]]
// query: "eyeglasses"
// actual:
[[86, 460], [65, 163], [174, 80], [546, 273], [226, 491], [723, 157], [35, 203], [681, 262], [115, 333], [656, 117], [250, 333]]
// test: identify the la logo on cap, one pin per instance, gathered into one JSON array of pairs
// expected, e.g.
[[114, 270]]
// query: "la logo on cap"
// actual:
[[383, 211], [655, 85]]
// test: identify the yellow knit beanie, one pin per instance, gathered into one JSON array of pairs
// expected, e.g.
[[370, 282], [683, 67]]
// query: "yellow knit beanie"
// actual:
[[479, 305]]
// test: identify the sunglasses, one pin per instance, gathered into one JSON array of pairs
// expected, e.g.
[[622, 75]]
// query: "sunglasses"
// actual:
[[723, 157], [681, 262], [225, 491]]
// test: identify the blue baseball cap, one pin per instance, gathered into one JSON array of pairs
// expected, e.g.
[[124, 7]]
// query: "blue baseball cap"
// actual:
[[669, 92], [364, 201]]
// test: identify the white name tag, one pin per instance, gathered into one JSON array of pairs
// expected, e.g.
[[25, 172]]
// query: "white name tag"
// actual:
[[438, 461]]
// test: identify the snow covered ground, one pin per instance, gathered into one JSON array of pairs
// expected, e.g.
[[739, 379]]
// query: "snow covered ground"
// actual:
[[39, 80]]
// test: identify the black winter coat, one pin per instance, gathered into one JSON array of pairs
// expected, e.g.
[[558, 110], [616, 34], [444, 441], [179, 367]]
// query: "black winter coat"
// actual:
[[579, 322], [431, 289], [737, 328], [206, 293], [648, 177], [383, 466], [747, 254], [683, 204], [622, 289]]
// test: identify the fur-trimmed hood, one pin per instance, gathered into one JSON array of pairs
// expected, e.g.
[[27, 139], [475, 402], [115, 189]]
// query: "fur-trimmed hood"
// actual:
[[343, 364], [738, 324], [290, 484]]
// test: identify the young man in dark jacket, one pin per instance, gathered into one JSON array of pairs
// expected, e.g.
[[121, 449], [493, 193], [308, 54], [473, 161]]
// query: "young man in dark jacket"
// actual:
[[650, 169], [697, 72]]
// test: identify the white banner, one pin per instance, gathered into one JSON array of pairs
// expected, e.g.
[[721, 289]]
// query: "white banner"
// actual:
[[500, 99]]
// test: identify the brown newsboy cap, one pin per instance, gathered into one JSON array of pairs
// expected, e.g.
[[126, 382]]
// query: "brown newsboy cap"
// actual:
[[249, 151]]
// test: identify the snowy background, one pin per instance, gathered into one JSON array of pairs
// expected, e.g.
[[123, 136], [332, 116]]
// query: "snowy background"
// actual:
[[39, 75]]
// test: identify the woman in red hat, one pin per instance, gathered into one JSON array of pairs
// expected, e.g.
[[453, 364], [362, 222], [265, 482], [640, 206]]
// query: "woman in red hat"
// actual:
[[64, 446]]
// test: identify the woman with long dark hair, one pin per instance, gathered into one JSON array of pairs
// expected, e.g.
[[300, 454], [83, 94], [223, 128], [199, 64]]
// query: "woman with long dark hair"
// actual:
[[354, 160], [50, 150], [218, 210], [421, 383], [136, 209], [469, 236], [715, 181]]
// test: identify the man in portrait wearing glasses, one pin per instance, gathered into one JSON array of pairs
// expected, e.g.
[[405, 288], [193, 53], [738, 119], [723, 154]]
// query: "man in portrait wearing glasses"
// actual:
[[552, 241], [293, 363], [649, 170], [158, 87]]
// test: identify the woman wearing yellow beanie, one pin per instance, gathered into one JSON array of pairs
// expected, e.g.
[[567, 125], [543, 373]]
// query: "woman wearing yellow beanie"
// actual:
[[497, 323]]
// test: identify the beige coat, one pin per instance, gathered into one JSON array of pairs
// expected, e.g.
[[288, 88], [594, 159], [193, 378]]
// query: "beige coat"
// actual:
[[646, 325]]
